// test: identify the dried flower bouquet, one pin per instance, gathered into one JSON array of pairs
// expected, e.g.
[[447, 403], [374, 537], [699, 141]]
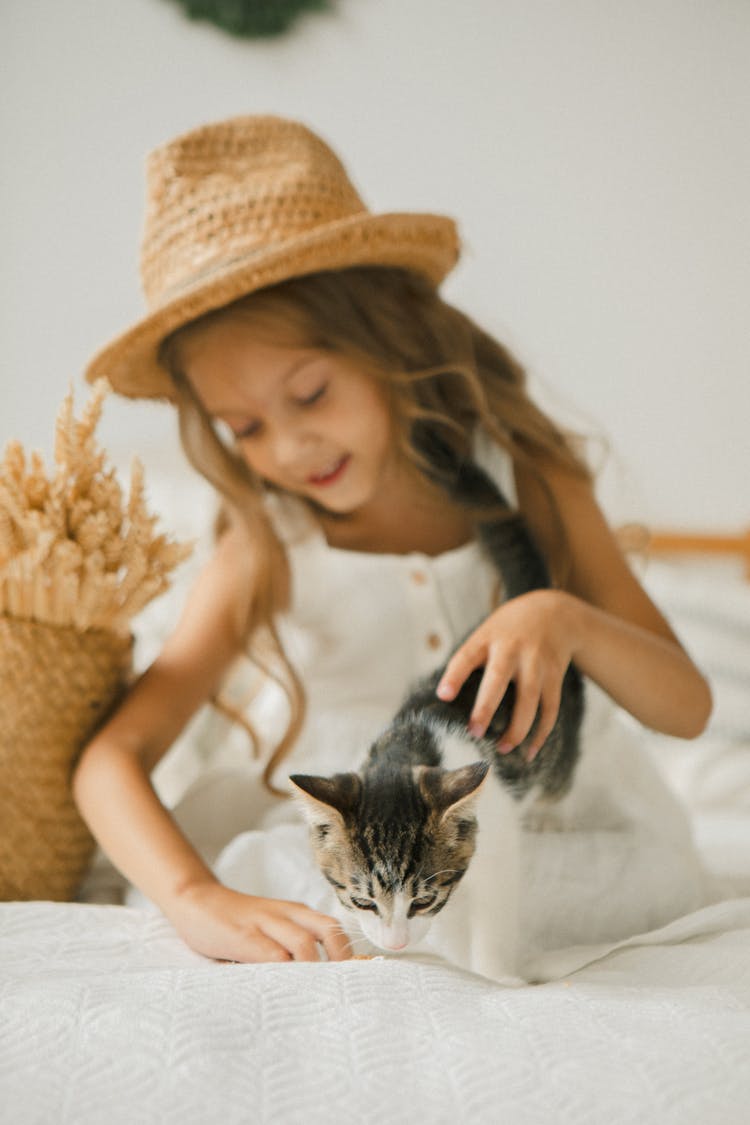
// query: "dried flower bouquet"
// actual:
[[77, 563]]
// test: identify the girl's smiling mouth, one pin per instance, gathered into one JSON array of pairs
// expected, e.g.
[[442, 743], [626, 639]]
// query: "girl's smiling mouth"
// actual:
[[331, 473]]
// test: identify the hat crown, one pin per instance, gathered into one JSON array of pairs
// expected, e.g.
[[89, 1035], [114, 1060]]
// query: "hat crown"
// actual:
[[224, 193]]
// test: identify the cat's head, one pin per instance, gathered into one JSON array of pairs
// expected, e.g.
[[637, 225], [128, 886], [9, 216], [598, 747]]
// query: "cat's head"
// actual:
[[393, 845]]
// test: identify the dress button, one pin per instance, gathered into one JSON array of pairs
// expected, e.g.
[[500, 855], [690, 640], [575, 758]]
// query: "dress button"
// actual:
[[418, 577], [434, 640]]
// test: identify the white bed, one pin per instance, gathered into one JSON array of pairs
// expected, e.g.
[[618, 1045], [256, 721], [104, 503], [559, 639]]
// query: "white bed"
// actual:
[[643, 950]]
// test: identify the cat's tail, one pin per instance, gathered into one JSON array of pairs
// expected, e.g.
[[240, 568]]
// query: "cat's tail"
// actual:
[[502, 530], [509, 541]]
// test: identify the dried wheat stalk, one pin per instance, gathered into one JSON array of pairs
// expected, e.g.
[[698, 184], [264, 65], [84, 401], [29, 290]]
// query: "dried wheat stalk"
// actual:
[[72, 550]]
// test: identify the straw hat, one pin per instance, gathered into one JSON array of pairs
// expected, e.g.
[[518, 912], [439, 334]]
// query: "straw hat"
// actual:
[[242, 204]]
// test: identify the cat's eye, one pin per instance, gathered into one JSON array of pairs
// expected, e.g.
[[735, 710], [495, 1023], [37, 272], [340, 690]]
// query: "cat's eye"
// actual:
[[421, 904], [364, 904]]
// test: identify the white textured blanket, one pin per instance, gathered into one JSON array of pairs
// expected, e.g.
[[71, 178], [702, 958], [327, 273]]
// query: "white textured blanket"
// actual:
[[107, 1017]]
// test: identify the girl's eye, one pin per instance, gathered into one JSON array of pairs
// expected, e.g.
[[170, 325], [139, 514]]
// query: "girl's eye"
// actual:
[[364, 904], [248, 431], [308, 400]]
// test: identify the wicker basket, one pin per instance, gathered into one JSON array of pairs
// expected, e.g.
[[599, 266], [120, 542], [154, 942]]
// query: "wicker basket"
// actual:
[[78, 562], [56, 686]]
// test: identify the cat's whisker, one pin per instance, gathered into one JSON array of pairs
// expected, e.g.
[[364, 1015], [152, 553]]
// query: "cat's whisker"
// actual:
[[339, 929], [359, 942], [445, 871], [341, 932], [362, 942]]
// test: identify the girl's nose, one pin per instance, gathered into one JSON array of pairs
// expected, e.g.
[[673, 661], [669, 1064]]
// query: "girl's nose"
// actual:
[[290, 447]]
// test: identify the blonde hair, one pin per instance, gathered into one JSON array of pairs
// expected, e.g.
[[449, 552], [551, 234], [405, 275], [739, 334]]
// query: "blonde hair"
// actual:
[[436, 367]]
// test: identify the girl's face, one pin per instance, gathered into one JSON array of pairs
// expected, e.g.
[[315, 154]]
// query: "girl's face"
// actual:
[[305, 420]]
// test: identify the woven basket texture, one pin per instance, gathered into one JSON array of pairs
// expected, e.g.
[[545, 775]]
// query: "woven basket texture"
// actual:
[[56, 686]]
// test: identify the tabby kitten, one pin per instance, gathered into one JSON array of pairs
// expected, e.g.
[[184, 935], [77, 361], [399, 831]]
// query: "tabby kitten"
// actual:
[[423, 822]]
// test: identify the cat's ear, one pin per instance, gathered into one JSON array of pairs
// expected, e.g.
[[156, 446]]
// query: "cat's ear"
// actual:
[[319, 795], [447, 790]]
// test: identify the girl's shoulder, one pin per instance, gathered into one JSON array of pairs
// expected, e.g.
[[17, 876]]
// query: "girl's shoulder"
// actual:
[[220, 598], [195, 657]]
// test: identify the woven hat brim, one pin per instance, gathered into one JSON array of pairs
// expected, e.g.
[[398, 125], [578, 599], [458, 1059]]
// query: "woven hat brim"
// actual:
[[426, 243]]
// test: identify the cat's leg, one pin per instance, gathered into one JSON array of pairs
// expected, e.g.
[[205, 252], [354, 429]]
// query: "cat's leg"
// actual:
[[478, 929], [494, 888]]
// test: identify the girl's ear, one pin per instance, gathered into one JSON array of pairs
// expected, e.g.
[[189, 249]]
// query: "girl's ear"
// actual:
[[319, 795], [448, 790]]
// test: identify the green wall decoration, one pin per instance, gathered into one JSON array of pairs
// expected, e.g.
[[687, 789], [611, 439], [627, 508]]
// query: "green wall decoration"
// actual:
[[251, 19]]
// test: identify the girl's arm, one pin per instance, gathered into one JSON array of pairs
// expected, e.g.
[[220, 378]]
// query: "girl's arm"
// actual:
[[603, 620], [113, 792]]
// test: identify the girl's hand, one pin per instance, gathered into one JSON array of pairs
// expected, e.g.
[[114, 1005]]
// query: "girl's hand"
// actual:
[[229, 926], [529, 640]]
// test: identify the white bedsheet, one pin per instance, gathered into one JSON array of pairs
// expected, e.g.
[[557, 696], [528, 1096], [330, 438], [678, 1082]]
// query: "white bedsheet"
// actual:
[[107, 1017]]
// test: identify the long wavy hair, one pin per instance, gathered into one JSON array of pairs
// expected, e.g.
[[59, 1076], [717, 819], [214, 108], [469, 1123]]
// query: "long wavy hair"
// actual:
[[437, 367]]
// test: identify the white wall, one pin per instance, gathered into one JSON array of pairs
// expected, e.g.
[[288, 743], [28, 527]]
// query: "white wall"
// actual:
[[595, 154]]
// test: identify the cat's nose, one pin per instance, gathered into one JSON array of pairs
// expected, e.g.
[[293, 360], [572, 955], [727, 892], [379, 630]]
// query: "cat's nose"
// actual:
[[395, 945]]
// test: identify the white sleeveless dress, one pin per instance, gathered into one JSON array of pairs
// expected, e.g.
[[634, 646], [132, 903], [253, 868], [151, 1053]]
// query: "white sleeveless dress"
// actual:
[[361, 628]]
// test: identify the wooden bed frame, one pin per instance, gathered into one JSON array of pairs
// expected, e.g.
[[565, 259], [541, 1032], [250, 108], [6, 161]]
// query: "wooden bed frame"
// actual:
[[663, 541]]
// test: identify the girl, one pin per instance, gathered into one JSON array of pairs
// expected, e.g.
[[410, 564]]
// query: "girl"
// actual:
[[302, 338]]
